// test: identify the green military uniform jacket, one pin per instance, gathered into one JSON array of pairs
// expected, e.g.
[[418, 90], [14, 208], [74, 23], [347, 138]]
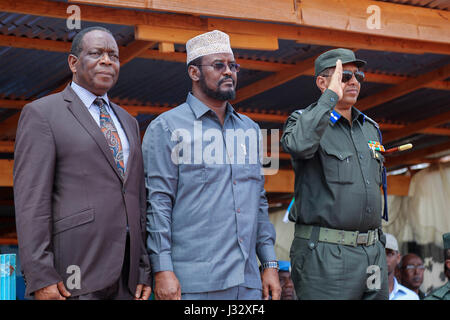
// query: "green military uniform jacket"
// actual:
[[337, 175], [441, 293]]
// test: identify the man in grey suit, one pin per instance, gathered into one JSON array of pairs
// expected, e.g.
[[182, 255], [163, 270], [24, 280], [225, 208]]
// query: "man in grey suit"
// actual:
[[79, 185]]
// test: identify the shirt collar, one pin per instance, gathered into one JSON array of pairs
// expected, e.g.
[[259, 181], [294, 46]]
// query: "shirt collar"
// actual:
[[398, 288], [394, 290], [358, 115], [199, 108], [86, 96]]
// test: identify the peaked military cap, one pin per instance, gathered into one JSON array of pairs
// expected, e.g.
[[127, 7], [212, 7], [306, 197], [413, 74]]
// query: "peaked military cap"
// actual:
[[328, 59]]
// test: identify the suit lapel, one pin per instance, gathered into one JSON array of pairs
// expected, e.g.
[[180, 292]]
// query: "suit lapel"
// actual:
[[80, 112]]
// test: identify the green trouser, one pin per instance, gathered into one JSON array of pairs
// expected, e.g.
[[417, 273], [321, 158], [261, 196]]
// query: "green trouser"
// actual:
[[328, 271]]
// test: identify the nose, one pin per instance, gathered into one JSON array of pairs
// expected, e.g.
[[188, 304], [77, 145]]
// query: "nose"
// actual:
[[105, 58], [353, 80], [227, 69]]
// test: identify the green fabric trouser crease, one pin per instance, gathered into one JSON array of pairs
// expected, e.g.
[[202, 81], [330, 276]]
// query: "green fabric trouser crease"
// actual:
[[327, 271]]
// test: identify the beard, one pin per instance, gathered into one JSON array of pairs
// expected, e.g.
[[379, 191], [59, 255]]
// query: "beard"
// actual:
[[218, 94]]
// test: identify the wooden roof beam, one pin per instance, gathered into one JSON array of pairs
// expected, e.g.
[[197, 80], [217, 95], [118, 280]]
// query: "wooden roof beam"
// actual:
[[403, 88], [257, 116], [133, 50], [394, 20], [8, 127], [59, 46], [6, 173], [274, 80], [326, 37], [412, 128], [6, 146], [181, 36]]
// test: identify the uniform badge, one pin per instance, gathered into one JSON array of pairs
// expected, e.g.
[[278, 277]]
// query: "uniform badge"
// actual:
[[375, 146]]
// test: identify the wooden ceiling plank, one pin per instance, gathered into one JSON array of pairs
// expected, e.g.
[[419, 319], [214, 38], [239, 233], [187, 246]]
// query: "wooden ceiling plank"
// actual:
[[181, 36], [416, 127], [317, 36], [403, 88], [6, 146], [394, 20], [256, 116], [274, 80], [133, 50]]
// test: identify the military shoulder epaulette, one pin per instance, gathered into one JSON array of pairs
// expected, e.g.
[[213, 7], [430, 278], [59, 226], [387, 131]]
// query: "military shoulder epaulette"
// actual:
[[372, 121]]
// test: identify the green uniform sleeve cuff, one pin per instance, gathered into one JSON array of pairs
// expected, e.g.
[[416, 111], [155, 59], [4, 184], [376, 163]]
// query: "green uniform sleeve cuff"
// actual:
[[329, 98]]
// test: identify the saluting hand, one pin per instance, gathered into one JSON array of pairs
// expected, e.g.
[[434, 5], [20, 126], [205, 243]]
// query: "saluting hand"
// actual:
[[336, 83]]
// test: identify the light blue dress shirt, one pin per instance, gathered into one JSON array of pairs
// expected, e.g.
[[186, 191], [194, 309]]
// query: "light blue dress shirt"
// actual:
[[207, 222], [400, 292], [88, 98]]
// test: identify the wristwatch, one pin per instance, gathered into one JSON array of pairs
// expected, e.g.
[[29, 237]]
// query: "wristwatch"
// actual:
[[271, 265]]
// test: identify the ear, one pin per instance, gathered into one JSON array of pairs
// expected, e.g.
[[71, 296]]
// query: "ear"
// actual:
[[194, 73], [72, 61], [447, 263], [321, 83], [399, 258]]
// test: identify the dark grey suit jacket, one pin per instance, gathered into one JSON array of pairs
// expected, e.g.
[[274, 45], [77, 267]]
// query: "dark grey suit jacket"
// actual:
[[72, 206]]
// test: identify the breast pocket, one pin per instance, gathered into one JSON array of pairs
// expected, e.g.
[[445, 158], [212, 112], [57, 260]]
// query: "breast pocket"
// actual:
[[338, 166], [377, 166]]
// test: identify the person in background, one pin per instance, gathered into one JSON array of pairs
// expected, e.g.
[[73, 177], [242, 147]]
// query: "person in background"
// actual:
[[287, 286], [443, 293], [396, 290], [411, 273]]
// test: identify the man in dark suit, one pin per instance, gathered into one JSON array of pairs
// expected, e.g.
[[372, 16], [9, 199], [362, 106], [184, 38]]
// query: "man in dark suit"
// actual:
[[79, 185]]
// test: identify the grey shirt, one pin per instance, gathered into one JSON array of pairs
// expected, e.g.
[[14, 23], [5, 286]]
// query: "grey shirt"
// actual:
[[337, 175], [207, 220]]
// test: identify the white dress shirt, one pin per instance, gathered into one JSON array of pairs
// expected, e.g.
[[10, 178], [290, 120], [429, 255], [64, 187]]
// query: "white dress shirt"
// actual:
[[400, 292], [88, 99]]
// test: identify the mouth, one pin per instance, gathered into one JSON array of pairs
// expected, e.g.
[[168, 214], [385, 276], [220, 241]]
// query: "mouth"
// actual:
[[352, 91], [105, 74], [227, 81]]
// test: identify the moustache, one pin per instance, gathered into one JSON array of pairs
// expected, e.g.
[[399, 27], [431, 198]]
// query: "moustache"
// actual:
[[224, 79]]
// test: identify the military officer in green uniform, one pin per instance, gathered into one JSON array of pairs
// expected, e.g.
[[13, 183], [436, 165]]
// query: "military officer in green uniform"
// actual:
[[336, 155], [443, 293]]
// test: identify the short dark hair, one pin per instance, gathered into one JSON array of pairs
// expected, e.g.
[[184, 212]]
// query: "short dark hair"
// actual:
[[324, 72], [197, 61], [77, 42]]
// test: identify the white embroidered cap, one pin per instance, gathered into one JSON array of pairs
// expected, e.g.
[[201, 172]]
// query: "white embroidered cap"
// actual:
[[391, 242], [207, 43]]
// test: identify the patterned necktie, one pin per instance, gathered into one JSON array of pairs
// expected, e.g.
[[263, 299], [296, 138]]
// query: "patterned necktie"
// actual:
[[111, 135]]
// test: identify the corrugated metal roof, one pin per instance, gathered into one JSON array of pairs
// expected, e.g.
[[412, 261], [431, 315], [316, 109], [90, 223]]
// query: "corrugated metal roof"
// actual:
[[27, 74], [432, 4]]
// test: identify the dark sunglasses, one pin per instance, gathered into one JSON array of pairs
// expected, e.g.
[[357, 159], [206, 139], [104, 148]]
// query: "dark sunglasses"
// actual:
[[221, 67], [347, 75]]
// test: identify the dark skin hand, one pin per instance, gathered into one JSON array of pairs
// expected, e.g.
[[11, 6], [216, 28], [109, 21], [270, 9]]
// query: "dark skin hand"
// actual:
[[55, 291], [167, 286], [271, 283]]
